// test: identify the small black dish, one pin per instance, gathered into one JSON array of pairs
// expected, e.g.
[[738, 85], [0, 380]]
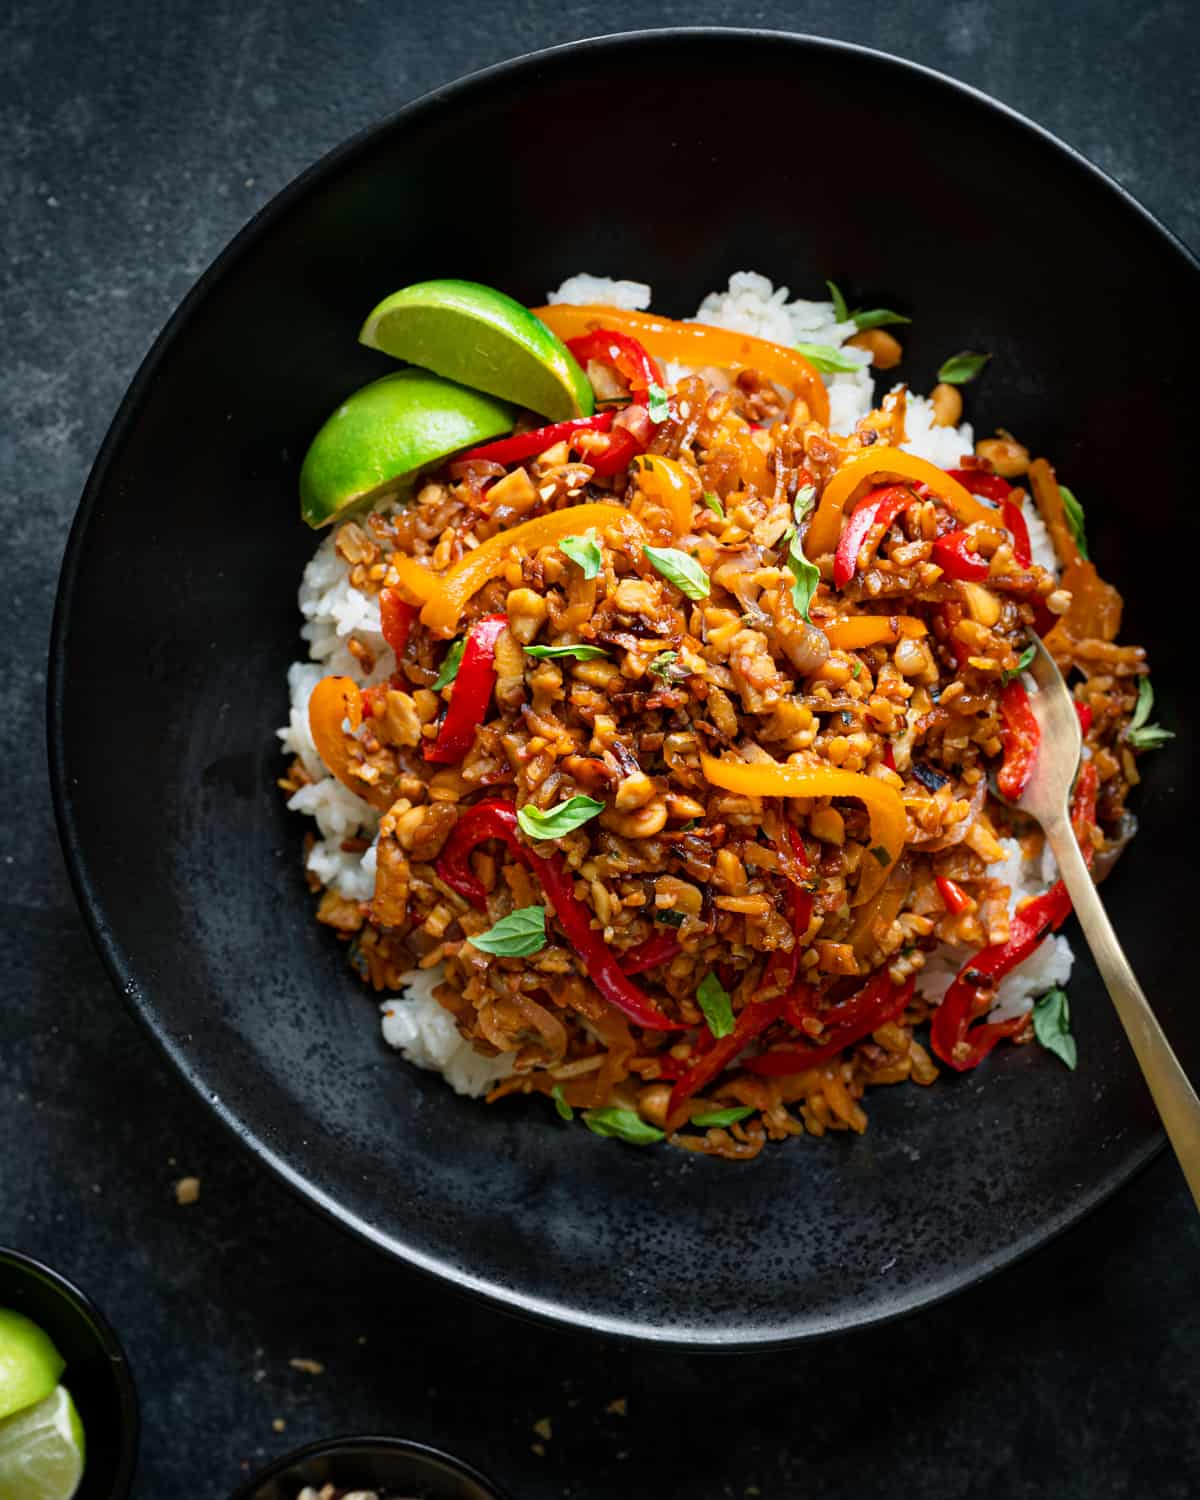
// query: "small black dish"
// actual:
[[97, 1373], [394, 1465]]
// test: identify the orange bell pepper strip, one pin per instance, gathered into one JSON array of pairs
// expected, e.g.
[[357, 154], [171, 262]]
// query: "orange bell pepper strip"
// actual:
[[857, 631], [772, 779], [1044, 483], [666, 483], [696, 344], [334, 700], [417, 583], [880, 465], [453, 590]]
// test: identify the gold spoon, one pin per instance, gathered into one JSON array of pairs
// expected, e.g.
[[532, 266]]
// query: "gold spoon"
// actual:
[[1046, 798]]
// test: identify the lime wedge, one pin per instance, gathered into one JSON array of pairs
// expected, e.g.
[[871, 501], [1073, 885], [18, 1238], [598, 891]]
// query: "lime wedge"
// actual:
[[481, 338], [29, 1363], [382, 436], [41, 1450]]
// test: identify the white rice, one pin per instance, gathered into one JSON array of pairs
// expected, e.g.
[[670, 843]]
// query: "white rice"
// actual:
[[335, 613]]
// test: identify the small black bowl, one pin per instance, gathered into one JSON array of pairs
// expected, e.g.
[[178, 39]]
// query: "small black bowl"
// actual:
[[392, 1464], [97, 1372]]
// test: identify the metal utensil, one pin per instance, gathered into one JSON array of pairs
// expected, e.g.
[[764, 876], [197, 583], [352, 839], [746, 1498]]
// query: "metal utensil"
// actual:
[[1046, 798]]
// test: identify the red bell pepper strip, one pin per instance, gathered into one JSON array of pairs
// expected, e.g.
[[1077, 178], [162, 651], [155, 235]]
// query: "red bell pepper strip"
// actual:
[[956, 899], [659, 948], [879, 508], [1021, 737], [397, 616], [622, 449], [962, 1045], [957, 561], [623, 353], [1084, 710], [801, 900], [753, 1019], [496, 818], [510, 450], [470, 694], [878, 1002], [1014, 523], [981, 482], [889, 755]]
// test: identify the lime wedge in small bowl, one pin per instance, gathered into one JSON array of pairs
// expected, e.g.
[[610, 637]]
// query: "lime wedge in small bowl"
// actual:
[[42, 1450], [29, 1363], [380, 438], [484, 339]]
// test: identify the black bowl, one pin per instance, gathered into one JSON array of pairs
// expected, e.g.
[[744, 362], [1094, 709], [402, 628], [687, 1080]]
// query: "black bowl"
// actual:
[[403, 1468], [97, 1372], [645, 156]]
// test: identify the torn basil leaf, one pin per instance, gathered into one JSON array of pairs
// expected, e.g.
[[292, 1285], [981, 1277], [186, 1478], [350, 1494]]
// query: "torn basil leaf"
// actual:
[[961, 368], [723, 1116], [713, 999], [554, 653], [841, 312], [583, 550], [622, 1125], [713, 501], [805, 577], [516, 936], [558, 821], [678, 568], [1024, 662], [828, 359], [560, 1102], [658, 403], [1051, 1026], [1074, 514], [1140, 734], [451, 662]]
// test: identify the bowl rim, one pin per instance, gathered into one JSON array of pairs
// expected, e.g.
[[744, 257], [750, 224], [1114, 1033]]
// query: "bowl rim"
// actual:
[[118, 1361], [106, 942], [408, 1446]]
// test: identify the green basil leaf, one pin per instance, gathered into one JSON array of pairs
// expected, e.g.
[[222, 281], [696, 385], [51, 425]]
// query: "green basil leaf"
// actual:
[[713, 501], [560, 820], [622, 1125], [1051, 1026], [878, 317], [828, 359], [662, 664], [516, 936], [856, 670], [1074, 514], [451, 662], [960, 368], [584, 550], [841, 312], [659, 404], [805, 500], [1140, 734], [668, 918], [713, 999], [1024, 662], [560, 1103], [678, 568], [805, 577], [553, 653], [882, 855], [723, 1116]]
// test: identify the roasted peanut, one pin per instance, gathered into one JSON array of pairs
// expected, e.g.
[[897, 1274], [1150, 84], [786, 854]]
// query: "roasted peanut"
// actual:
[[885, 351], [1009, 458], [642, 823], [947, 404]]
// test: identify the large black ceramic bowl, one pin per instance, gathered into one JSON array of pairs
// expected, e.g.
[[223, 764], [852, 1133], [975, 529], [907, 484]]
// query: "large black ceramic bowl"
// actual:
[[674, 157], [391, 1465]]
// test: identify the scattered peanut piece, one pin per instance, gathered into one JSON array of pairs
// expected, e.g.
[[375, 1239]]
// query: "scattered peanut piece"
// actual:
[[187, 1190]]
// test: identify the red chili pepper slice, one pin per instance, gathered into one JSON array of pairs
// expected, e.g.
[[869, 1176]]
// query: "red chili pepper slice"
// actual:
[[1014, 522], [510, 450], [1084, 710], [879, 508], [981, 482], [397, 616], [496, 818], [957, 561], [659, 948], [889, 755], [956, 899], [470, 694], [622, 449], [752, 1021], [623, 353], [878, 1002], [1021, 737], [962, 1045]]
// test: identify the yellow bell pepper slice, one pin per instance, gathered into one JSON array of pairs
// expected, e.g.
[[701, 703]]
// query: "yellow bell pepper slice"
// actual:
[[335, 699], [878, 466], [697, 345], [455, 588], [772, 779], [857, 631], [665, 481]]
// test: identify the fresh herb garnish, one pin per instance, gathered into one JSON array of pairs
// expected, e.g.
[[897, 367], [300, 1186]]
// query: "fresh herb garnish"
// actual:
[[451, 662], [622, 1125], [828, 359], [806, 497], [878, 317], [553, 653], [689, 825], [960, 368], [584, 550], [856, 670], [678, 568], [668, 918], [1024, 662], [658, 404], [882, 855], [1074, 514], [1051, 1026], [516, 936], [840, 311], [560, 1102], [723, 1116], [713, 501], [1140, 735], [662, 664], [558, 821], [713, 999], [805, 576]]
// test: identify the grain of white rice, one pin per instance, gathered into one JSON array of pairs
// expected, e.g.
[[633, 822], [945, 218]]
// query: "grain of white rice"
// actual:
[[425, 1033]]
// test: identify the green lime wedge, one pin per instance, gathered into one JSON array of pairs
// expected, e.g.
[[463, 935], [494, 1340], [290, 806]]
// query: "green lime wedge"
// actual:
[[381, 437], [41, 1450], [481, 338], [29, 1363]]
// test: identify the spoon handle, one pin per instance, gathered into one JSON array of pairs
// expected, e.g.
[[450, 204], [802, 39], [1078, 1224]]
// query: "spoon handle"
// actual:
[[1173, 1094]]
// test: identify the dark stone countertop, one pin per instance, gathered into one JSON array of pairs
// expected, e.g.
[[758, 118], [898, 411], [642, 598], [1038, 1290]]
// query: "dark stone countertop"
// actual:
[[134, 140]]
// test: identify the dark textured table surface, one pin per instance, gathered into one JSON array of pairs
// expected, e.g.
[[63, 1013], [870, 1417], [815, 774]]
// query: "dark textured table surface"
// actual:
[[135, 139]]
